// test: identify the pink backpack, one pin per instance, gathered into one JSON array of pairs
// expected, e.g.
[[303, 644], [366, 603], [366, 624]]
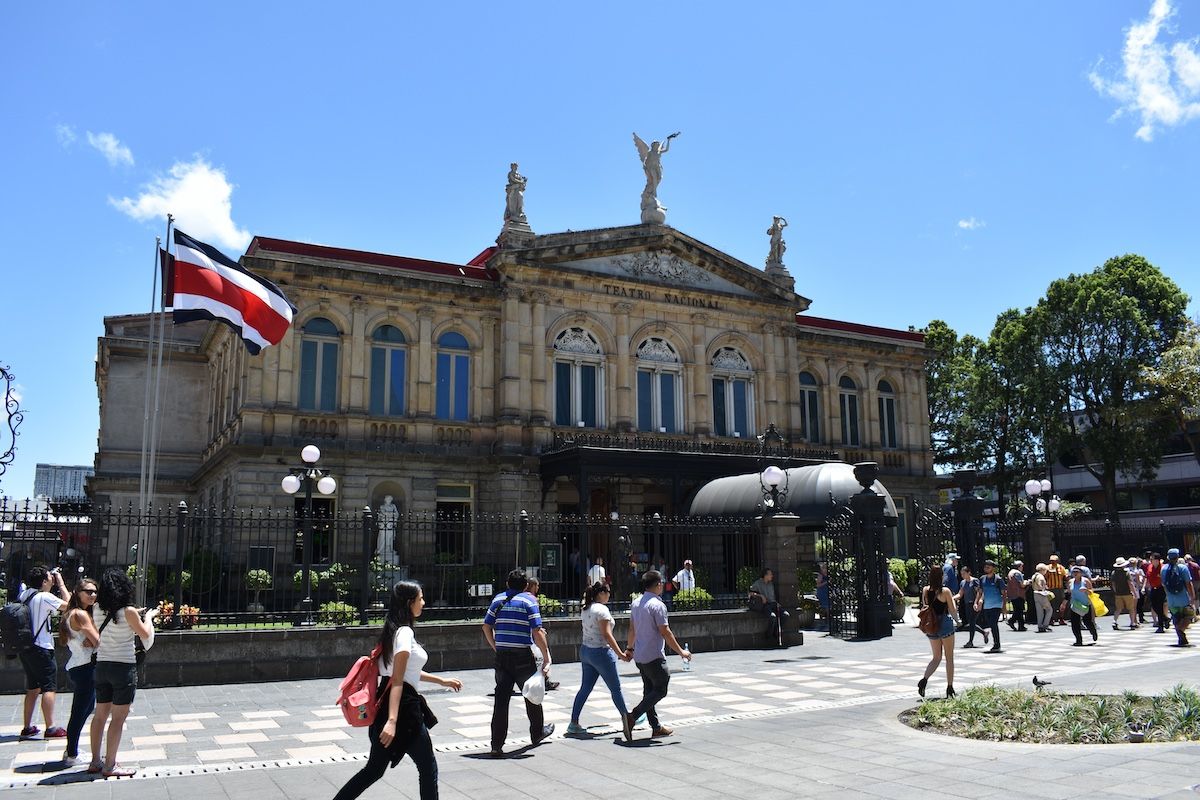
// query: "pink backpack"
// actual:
[[358, 695]]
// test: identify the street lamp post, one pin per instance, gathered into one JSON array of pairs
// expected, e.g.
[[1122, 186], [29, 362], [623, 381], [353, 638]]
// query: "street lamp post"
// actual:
[[1034, 488], [307, 477], [772, 481]]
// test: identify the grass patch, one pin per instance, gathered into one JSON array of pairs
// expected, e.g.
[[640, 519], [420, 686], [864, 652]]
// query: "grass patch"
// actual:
[[994, 714]]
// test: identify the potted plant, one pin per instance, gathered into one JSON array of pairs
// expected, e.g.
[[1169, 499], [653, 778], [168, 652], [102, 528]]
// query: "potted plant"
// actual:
[[806, 614], [257, 581]]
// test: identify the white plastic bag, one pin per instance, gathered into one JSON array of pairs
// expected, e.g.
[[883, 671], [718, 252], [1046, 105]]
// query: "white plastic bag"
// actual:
[[534, 689]]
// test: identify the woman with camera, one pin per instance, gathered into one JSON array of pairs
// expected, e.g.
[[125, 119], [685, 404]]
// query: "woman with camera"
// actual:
[[116, 666]]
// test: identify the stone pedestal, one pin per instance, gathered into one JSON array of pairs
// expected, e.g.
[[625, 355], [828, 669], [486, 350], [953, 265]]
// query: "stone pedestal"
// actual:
[[653, 212], [781, 542], [515, 234], [1040, 544], [777, 272]]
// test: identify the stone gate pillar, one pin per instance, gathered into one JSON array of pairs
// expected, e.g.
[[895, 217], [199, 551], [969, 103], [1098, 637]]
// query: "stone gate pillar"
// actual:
[[967, 510], [781, 544]]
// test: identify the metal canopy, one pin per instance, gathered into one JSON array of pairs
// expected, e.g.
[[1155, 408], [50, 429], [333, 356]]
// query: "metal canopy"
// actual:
[[808, 494]]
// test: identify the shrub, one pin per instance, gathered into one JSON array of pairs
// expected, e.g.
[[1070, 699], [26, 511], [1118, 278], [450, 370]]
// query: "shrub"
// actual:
[[899, 571], [340, 577], [746, 576], [205, 567], [1001, 555], [549, 606], [189, 616], [337, 613], [806, 581], [258, 580], [914, 572], [692, 600], [151, 576]]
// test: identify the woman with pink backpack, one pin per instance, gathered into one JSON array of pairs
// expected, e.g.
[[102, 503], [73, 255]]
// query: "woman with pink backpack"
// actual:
[[401, 725]]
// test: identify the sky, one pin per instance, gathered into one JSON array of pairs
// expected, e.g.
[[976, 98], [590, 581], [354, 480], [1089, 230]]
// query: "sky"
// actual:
[[934, 160]]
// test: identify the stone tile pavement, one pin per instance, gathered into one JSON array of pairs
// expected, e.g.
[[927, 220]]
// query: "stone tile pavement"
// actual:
[[811, 721]]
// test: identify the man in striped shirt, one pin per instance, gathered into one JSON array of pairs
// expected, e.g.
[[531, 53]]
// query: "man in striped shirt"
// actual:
[[513, 624]]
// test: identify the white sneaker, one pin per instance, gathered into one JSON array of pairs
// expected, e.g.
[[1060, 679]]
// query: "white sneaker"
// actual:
[[70, 761]]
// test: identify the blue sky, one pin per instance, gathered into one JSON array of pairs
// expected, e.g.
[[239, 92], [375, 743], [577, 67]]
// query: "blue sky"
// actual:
[[934, 160]]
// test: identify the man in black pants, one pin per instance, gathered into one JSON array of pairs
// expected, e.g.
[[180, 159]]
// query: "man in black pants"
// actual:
[[512, 625]]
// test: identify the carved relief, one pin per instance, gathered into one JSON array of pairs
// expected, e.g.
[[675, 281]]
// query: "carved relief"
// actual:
[[663, 266], [655, 349], [577, 340], [731, 359]]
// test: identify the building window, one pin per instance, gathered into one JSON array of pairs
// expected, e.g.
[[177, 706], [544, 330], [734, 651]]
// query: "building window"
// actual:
[[453, 377], [900, 532], [578, 380], [887, 415], [453, 524], [848, 400], [388, 362], [319, 365], [658, 391], [810, 408], [732, 394]]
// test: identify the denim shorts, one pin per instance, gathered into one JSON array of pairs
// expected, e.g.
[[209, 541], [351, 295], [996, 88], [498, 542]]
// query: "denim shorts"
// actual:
[[945, 630], [116, 682]]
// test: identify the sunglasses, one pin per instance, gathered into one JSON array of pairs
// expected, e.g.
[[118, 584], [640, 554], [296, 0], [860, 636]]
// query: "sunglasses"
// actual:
[[87, 591]]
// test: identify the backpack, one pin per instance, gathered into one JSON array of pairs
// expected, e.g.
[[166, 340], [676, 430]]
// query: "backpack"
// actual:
[[1172, 580], [358, 694], [1015, 588], [16, 627]]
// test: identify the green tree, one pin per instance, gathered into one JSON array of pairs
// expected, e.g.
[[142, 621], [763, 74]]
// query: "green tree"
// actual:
[[947, 380], [1176, 380], [1098, 331]]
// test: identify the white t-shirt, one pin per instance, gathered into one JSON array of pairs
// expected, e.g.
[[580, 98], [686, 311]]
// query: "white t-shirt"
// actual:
[[41, 607], [406, 642], [684, 579], [596, 574], [591, 618]]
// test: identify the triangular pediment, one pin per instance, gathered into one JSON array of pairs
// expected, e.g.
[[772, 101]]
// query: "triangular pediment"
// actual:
[[650, 255]]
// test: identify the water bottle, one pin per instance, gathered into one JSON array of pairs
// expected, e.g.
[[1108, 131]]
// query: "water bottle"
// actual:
[[687, 662]]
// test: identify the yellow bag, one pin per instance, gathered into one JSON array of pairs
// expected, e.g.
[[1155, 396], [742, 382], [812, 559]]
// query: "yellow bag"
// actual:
[[1097, 604]]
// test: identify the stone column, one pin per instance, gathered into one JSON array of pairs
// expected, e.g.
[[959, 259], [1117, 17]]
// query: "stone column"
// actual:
[[622, 371], [701, 416], [510, 380], [780, 549], [487, 382], [358, 352], [770, 384], [424, 365], [539, 412]]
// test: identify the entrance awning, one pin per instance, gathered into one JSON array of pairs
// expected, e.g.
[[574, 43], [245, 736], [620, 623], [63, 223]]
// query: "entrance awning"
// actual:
[[808, 494]]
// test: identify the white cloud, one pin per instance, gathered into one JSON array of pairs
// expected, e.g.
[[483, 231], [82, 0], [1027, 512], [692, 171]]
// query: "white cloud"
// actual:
[[198, 194], [971, 224], [65, 134], [112, 150], [1159, 80]]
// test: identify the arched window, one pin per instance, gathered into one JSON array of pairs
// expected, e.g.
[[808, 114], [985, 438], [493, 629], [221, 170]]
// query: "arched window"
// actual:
[[810, 408], [848, 400], [887, 415], [319, 342], [453, 376], [658, 393], [388, 370], [578, 379], [732, 393]]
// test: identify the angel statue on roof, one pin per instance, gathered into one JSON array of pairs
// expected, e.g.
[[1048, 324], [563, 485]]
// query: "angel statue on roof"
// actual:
[[651, 157]]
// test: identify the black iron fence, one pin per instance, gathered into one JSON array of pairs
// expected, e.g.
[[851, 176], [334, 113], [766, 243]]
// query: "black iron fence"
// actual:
[[240, 568]]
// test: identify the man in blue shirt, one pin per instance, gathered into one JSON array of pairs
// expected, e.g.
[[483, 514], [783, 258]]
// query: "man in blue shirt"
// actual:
[[512, 625], [990, 601], [1181, 595], [950, 573]]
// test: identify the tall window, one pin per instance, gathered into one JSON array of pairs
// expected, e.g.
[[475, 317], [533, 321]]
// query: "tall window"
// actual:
[[732, 394], [810, 408], [887, 415], [658, 392], [453, 376], [319, 365], [578, 379], [453, 537], [848, 400], [388, 361]]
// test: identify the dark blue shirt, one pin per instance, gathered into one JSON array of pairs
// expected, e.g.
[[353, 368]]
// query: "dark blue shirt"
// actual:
[[513, 618], [950, 577]]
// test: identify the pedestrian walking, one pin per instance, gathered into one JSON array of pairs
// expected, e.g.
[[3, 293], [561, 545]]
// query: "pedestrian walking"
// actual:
[[1056, 580], [968, 592], [1042, 598], [46, 595], [78, 628], [1017, 584], [401, 725], [991, 602], [941, 643], [1079, 594], [598, 654], [116, 667], [1122, 594], [1158, 595], [950, 573], [685, 579], [596, 573], [649, 633], [1137, 585], [1181, 595], [513, 622]]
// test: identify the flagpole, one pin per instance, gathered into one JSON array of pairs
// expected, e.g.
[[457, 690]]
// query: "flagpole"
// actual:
[[149, 367], [154, 419]]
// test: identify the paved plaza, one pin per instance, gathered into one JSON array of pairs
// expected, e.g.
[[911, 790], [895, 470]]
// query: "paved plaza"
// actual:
[[811, 721]]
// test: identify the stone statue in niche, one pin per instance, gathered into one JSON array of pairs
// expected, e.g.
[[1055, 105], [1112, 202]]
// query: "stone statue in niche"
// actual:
[[514, 205], [386, 519], [778, 247], [653, 213]]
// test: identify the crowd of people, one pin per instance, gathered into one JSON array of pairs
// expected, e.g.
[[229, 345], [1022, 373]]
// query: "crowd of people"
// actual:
[[1149, 586]]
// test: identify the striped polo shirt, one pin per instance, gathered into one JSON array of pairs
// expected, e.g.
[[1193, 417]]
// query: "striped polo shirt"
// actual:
[[513, 618]]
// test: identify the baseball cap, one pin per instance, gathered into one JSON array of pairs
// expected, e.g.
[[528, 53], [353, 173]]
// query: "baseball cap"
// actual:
[[1173, 552], [1077, 568], [989, 561]]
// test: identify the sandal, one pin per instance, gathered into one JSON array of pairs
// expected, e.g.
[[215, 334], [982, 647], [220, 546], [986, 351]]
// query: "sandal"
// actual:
[[117, 771], [95, 768]]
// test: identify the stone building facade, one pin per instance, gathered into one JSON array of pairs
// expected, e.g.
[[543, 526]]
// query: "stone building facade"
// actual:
[[599, 371]]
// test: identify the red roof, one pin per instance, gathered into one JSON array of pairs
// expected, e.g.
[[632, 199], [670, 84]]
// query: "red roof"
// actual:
[[855, 327], [471, 270]]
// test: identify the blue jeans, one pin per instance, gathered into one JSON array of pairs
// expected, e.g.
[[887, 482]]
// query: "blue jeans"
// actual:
[[598, 662], [83, 703]]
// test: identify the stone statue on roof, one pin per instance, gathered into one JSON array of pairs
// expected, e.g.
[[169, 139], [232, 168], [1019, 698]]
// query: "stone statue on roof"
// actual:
[[514, 206], [778, 248], [651, 157]]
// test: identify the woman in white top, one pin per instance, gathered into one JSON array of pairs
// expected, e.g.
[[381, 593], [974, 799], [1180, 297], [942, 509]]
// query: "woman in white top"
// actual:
[[79, 630], [402, 729], [116, 666], [599, 653]]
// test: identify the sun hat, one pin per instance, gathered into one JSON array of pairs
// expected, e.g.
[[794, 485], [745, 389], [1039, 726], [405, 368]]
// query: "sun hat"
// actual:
[[1018, 561], [951, 555], [1054, 557], [1120, 562]]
